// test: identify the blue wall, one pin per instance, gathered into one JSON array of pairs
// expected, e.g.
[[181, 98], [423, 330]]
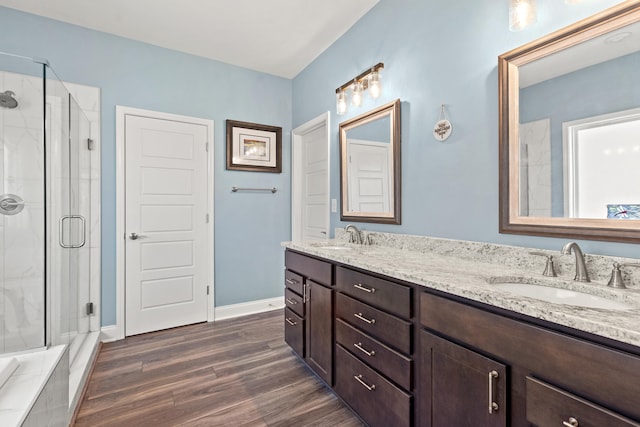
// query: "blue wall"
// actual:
[[248, 227], [437, 53]]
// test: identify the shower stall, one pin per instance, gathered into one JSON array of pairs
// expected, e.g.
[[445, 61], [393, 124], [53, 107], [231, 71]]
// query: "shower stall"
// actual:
[[45, 212]]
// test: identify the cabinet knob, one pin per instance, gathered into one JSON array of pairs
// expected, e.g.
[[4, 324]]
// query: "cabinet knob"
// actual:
[[571, 423], [358, 378], [364, 319], [291, 322], [493, 406]]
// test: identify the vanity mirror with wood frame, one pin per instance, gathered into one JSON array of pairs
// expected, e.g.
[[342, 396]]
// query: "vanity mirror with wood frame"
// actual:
[[569, 131], [370, 166]]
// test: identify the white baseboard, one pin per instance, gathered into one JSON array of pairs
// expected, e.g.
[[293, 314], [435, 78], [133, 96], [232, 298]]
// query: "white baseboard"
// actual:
[[246, 308], [111, 333], [114, 332]]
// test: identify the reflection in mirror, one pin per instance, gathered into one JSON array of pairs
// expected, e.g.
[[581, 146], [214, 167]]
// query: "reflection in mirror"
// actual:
[[570, 120], [370, 166]]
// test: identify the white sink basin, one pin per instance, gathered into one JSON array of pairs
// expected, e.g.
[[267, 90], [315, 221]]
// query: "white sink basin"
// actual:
[[335, 248], [562, 296]]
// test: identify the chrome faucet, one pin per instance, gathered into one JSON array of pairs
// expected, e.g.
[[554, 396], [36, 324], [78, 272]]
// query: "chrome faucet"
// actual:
[[355, 235], [581, 269]]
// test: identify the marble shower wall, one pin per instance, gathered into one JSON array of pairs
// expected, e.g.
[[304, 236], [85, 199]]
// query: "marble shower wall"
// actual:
[[22, 235]]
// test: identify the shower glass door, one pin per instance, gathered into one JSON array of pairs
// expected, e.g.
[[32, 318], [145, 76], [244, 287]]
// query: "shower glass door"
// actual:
[[68, 133], [77, 224]]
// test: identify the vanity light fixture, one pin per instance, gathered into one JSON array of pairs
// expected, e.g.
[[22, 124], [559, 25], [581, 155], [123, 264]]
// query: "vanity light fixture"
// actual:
[[367, 80], [522, 13]]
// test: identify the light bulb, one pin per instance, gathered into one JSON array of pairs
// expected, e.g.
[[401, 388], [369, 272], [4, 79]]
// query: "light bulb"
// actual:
[[375, 88], [356, 98], [341, 103], [522, 13]]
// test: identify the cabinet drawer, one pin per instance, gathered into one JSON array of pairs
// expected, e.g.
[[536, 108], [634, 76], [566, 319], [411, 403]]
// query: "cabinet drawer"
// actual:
[[376, 400], [294, 331], [385, 327], [548, 405], [294, 301], [311, 268], [387, 361], [294, 281], [381, 293]]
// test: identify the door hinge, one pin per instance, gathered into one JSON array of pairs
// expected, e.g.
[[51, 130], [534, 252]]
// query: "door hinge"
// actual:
[[207, 289], [89, 308], [90, 144], [207, 218]]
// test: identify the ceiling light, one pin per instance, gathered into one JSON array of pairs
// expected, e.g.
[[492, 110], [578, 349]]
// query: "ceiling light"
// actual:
[[341, 102], [522, 13], [367, 80], [356, 98]]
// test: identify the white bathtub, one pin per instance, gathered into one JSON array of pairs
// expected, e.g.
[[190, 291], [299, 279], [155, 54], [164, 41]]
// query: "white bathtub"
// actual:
[[22, 389]]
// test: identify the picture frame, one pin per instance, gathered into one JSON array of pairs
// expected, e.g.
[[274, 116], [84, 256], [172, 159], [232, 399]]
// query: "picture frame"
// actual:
[[254, 147]]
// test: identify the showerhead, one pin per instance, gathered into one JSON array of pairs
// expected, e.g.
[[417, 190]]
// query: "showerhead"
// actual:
[[7, 100]]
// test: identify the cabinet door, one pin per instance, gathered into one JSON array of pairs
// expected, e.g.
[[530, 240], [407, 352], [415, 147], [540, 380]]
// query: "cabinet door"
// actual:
[[460, 387], [320, 330]]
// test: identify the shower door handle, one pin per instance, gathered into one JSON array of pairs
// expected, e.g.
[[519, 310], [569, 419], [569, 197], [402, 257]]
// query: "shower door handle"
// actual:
[[82, 234]]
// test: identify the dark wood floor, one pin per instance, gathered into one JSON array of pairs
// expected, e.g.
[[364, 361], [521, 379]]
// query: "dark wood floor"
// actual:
[[236, 372]]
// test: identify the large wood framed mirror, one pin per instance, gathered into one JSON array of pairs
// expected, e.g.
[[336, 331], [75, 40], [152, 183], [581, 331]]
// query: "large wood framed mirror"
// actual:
[[370, 166], [570, 131]]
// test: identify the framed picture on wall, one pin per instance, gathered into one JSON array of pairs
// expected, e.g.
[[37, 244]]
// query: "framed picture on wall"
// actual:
[[254, 147]]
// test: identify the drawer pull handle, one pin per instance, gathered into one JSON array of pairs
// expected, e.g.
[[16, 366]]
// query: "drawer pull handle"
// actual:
[[493, 406], [291, 281], [368, 353], [290, 301], [361, 381], [571, 423], [291, 322], [364, 288], [364, 319]]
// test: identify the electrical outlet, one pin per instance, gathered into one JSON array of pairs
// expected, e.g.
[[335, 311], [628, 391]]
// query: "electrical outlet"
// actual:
[[334, 205]]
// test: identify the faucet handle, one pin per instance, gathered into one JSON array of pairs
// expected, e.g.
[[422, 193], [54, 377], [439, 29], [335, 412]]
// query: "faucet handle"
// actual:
[[616, 275], [549, 269]]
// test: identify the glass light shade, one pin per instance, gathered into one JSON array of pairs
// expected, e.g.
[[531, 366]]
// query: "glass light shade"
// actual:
[[341, 102], [375, 88], [356, 98], [522, 13], [572, 1]]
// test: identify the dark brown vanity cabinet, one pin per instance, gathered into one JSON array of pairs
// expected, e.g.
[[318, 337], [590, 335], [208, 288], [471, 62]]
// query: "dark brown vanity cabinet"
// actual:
[[309, 311], [462, 364], [471, 358], [374, 365]]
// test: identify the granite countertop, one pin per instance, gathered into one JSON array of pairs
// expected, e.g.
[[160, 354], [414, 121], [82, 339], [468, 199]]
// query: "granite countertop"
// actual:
[[474, 279]]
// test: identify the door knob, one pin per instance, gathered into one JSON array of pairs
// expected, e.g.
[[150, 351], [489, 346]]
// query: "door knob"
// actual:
[[135, 236]]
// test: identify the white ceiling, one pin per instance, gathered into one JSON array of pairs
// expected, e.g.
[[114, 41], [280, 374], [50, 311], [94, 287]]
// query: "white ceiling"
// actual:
[[279, 37]]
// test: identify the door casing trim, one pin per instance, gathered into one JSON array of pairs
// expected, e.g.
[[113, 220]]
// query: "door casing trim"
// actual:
[[118, 332], [297, 134]]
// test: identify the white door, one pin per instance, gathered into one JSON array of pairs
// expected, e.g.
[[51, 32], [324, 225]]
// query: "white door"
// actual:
[[369, 164], [165, 223], [310, 181]]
